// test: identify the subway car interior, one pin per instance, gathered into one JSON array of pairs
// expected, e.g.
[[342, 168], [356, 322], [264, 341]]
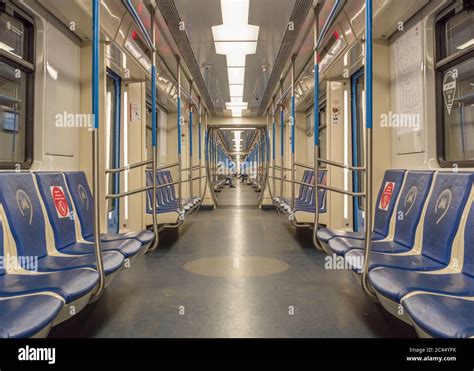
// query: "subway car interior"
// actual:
[[237, 169]]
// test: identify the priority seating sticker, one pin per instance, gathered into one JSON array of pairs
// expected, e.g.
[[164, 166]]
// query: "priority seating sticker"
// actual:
[[60, 202], [386, 195]]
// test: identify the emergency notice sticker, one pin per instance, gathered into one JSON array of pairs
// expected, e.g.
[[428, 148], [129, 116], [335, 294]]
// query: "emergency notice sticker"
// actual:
[[386, 195], [60, 202]]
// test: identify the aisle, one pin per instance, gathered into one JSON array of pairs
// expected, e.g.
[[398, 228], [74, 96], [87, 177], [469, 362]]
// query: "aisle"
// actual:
[[263, 280], [241, 196]]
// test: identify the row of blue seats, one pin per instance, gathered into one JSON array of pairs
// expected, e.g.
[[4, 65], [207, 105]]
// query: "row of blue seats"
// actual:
[[166, 200], [422, 257], [304, 202], [49, 271]]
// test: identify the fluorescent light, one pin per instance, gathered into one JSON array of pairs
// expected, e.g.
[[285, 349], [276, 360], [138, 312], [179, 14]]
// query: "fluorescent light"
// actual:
[[236, 90], [466, 44], [241, 105], [239, 129], [236, 75]]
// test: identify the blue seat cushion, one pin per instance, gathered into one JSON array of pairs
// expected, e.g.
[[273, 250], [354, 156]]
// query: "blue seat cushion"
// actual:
[[325, 234], [70, 284], [441, 316], [341, 245], [144, 237], [407, 262], [112, 262], [127, 248], [396, 283], [23, 317]]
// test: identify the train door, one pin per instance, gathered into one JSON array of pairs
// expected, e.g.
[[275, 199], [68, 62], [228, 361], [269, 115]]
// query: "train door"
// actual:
[[358, 124], [112, 111]]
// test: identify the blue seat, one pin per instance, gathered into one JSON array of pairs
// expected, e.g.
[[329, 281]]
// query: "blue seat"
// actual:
[[384, 207], [412, 199], [394, 284], [441, 316], [307, 205], [83, 203], [23, 210], [58, 206], [166, 178], [443, 214], [302, 191], [28, 316], [71, 284]]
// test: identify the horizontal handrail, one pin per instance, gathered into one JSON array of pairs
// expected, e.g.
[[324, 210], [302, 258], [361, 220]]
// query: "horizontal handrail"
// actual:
[[167, 166], [338, 190], [279, 168], [138, 190], [129, 167], [342, 166], [300, 164]]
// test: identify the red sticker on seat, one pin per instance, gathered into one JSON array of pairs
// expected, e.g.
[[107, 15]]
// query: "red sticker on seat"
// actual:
[[60, 202], [386, 195]]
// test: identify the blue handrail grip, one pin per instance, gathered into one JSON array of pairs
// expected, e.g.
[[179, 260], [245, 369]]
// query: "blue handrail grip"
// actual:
[[95, 62], [293, 124], [282, 134], [191, 132], [332, 14], [199, 137], [131, 10], [153, 106], [368, 65], [316, 105], [273, 140], [179, 124]]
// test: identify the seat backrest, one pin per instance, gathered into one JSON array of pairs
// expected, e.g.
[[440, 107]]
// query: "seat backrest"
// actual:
[[162, 178], [24, 213], [410, 207], [161, 193], [149, 193], [303, 189], [468, 265], [169, 179], [322, 175], [443, 214], [58, 206], [386, 200], [83, 202]]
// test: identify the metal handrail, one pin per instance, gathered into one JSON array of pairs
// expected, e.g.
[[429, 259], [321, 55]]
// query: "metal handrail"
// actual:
[[334, 12], [129, 167], [338, 190], [138, 190], [341, 165]]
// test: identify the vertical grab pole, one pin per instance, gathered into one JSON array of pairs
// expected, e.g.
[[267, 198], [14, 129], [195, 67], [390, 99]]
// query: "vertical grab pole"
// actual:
[[95, 135], [282, 141], [368, 136], [180, 189], [200, 147], [191, 140], [316, 130], [273, 147], [156, 240], [293, 132]]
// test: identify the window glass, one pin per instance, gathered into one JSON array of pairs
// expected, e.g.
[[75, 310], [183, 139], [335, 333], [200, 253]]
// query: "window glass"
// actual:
[[459, 33], [458, 94], [12, 114], [12, 35]]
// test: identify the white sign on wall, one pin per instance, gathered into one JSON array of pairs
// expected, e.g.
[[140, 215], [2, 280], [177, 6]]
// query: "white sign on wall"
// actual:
[[407, 74]]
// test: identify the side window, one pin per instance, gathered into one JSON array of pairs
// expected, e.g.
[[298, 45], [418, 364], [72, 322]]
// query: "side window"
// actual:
[[16, 88], [455, 85]]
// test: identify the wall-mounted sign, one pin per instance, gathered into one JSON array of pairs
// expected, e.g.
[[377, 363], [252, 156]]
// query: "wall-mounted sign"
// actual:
[[336, 114], [135, 111], [449, 88]]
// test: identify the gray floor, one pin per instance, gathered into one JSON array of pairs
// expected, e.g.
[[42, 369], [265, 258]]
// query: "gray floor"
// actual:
[[242, 195], [157, 297]]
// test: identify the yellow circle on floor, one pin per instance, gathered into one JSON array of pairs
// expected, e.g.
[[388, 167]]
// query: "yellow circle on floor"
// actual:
[[241, 266]]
